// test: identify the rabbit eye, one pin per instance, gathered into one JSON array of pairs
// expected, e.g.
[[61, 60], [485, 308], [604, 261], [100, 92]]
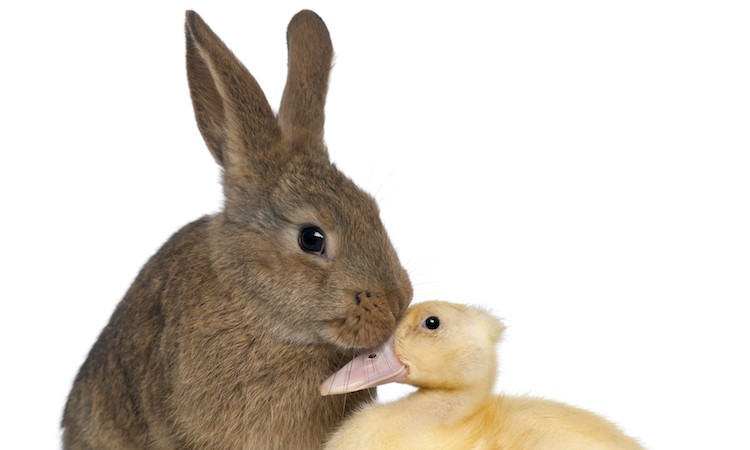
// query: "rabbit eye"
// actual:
[[312, 240], [432, 323]]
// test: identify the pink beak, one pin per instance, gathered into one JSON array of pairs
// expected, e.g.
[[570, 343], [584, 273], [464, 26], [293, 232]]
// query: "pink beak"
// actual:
[[375, 366]]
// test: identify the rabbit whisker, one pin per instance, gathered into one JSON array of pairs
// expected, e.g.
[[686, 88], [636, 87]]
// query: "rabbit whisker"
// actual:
[[380, 200], [331, 347], [348, 377]]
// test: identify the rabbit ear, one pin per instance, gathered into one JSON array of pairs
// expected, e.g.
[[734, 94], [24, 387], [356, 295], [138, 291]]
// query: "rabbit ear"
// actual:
[[301, 114], [231, 110]]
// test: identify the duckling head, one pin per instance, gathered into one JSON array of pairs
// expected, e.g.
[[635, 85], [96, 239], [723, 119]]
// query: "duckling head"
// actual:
[[436, 345]]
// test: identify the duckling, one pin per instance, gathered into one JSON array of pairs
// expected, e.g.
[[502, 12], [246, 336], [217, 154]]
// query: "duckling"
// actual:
[[447, 351]]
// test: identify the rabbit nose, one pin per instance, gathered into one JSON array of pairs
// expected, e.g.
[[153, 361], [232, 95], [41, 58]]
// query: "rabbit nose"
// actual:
[[361, 296], [369, 301], [395, 303], [369, 321]]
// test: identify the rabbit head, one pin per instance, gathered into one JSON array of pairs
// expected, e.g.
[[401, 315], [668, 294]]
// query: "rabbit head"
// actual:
[[298, 246]]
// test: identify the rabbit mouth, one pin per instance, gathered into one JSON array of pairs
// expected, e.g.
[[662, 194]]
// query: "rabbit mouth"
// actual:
[[369, 322]]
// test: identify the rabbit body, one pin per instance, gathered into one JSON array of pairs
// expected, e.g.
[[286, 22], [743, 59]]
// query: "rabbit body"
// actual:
[[229, 329]]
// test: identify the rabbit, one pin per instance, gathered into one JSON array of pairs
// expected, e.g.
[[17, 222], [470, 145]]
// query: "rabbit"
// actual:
[[447, 350], [228, 330]]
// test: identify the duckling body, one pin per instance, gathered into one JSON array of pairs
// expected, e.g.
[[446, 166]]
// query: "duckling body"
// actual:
[[501, 422], [454, 366]]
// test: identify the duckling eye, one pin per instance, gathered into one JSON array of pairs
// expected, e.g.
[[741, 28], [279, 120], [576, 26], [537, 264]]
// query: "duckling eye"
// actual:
[[432, 323], [312, 240]]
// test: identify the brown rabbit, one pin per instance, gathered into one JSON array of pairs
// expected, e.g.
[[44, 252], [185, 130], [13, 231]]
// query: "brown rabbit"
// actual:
[[229, 329]]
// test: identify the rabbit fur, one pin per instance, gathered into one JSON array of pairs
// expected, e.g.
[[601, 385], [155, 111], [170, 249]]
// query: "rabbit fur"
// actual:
[[229, 329]]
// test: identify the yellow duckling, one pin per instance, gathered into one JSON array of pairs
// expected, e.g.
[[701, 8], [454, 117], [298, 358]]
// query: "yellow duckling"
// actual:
[[447, 350]]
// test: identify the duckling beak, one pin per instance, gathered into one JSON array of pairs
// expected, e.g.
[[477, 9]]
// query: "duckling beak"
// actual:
[[375, 366]]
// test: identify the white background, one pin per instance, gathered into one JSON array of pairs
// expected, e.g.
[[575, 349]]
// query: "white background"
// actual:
[[581, 167]]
